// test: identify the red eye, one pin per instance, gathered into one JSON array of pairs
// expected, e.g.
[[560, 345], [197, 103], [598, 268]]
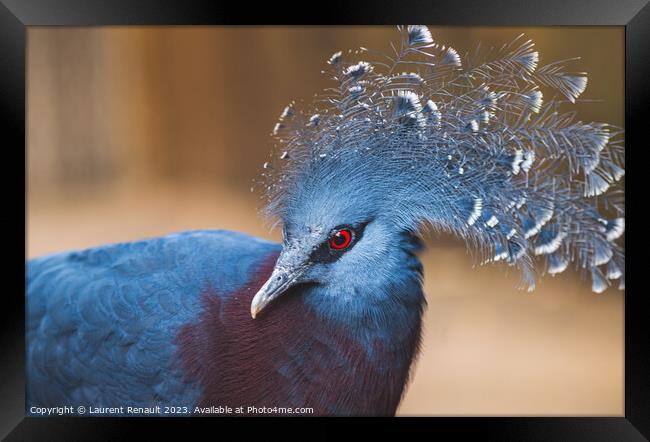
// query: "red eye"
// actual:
[[340, 239]]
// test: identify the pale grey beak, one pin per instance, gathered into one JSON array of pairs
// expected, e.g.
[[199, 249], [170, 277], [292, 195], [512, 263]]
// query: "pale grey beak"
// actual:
[[281, 279], [291, 265]]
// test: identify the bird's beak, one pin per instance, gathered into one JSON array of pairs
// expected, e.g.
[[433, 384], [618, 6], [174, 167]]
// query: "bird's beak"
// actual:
[[280, 280]]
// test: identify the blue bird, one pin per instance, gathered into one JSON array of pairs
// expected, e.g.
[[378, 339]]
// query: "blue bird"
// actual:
[[403, 144]]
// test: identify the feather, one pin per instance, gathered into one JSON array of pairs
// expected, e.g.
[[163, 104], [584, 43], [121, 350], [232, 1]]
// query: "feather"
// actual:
[[492, 221], [538, 218], [515, 161], [488, 218], [602, 253], [598, 283], [613, 271], [527, 163], [595, 185], [286, 113], [430, 109], [614, 228], [358, 70], [515, 250], [529, 60], [407, 103], [418, 34], [500, 253], [549, 240], [557, 263], [314, 120], [335, 58], [533, 100], [472, 208], [570, 85], [451, 57]]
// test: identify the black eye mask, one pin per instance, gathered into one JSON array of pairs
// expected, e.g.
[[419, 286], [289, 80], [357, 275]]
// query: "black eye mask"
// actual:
[[336, 245]]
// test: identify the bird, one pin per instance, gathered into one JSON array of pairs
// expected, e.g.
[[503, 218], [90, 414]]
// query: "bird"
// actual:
[[414, 142]]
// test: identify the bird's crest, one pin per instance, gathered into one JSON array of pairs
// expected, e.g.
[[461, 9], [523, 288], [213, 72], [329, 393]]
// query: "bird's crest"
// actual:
[[470, 146]]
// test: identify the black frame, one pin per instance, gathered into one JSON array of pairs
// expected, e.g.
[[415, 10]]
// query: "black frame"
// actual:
[[15, 15]]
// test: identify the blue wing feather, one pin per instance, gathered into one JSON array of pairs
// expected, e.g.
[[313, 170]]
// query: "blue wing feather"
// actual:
[[101, 323]]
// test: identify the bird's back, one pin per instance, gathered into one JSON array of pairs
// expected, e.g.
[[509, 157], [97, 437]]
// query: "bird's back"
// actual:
[[101, 323]]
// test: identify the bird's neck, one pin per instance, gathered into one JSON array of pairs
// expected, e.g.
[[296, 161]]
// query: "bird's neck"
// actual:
[[384, 304]]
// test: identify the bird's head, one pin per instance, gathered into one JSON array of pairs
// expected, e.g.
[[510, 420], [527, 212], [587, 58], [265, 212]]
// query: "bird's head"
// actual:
[[475, 151], [338, 238]]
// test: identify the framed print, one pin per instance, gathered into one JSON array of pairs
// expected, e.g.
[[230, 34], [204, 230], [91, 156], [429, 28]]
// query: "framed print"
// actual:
[[418, 212]]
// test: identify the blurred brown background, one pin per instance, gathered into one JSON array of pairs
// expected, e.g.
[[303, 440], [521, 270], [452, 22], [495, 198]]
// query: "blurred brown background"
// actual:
[[138, 132]]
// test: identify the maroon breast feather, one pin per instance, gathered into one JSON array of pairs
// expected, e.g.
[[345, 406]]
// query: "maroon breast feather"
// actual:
[[288, 357]]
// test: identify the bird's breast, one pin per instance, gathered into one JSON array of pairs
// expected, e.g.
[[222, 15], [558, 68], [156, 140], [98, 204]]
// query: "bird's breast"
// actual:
[[286, 358]]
